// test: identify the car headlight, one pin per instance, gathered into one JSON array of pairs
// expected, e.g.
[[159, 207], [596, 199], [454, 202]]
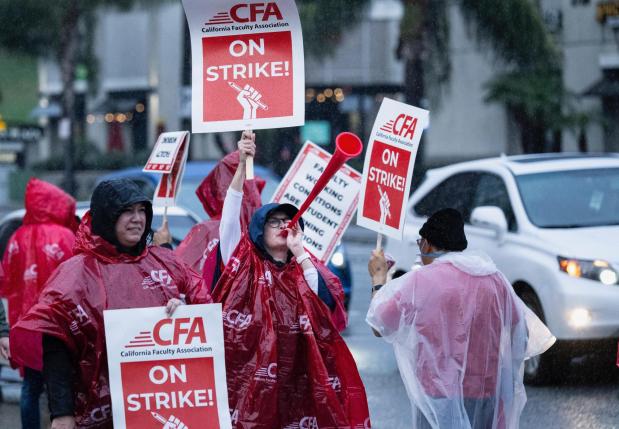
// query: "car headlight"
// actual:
[[597, 270], [338, 259]]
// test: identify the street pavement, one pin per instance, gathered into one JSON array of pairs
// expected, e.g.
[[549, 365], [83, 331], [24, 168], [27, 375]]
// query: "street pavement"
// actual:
[[587, 399]]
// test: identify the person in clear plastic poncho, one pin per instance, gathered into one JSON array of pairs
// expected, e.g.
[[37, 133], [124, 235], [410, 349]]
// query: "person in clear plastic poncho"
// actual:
[[459, 332]]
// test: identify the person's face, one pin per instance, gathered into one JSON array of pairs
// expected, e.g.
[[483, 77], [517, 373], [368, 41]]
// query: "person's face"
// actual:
[[273, 227], [130, 225], [425, 247]]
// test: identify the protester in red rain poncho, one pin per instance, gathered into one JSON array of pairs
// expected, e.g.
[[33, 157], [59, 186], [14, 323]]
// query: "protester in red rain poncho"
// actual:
[[203, 237], [113, 268], [44, 240], [287, 366]]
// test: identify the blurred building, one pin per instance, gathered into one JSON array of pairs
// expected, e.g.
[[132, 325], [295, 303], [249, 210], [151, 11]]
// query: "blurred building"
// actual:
[[144, 83]]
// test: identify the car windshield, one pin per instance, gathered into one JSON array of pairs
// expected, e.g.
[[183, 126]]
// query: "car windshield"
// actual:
[[571, 199], [187, 197]]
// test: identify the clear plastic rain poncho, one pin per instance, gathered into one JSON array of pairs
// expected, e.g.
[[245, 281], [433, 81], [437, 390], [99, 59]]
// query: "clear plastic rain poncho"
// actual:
[[461, 336]]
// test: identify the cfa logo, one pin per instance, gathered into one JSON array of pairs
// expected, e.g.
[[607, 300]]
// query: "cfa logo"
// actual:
[[308, 422], [402, 126], [80, 317], [209, 248], [335, 383], [157, 278], [247, 12], [304, 323], [234, 416], [267, 373], [184, 330], [53, 251], [266, 279], [13, 248], [101, 414], [30, 273], [236, 263], [236, 320], [211, 244], [161, 276]]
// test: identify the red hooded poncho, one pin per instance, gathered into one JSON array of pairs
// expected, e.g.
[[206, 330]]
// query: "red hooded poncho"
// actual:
[[203, 237], [100, 278], [44, 240], [287, 366]]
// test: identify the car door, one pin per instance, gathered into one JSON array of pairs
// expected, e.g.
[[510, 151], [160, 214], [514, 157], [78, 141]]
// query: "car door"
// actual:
[[490, 190]]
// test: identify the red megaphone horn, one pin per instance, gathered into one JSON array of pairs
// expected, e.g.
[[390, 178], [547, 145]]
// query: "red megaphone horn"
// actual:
[[347, 145]]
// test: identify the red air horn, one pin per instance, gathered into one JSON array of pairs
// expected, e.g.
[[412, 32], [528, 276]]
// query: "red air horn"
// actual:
[[347, 145]]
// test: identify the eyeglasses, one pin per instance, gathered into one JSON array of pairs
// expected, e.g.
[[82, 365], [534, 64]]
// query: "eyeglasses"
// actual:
[[419, 241], [276, 222]]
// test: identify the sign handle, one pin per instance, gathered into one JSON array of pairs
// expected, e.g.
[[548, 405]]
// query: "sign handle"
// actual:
[[379, 241], [249, 165], [165, 209]]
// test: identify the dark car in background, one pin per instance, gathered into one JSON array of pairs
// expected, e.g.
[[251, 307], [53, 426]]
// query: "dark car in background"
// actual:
[[195, 171], [180, 222]]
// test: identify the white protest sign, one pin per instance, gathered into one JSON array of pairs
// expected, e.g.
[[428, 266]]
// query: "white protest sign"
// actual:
[[388, 167], [167, 371], [330, 213], [168, 157], [247, 65]]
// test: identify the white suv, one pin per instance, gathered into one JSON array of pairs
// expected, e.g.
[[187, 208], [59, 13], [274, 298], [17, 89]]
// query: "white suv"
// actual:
[[551, 224]]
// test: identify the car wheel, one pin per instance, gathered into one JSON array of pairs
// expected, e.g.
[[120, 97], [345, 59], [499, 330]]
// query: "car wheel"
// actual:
[[551, 366]]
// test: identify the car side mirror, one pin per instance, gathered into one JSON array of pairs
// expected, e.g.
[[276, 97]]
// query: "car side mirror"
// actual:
[[490, 217]]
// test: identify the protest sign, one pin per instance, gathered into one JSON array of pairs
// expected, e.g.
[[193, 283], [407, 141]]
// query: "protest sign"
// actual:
[[247, 65], [167, 372], [168, 157], [330, 213], [388, 167]]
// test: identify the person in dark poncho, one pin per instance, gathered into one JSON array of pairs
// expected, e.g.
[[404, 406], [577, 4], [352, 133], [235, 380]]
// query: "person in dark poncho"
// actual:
[[111, 269], [287, 366]]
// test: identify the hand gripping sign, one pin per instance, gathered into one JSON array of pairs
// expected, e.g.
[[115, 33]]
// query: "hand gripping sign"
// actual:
[[388, 167], [248, 70], [167, 373], [168, 157], [332, 210]]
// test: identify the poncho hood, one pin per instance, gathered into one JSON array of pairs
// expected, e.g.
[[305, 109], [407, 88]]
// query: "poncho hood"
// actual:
[[108, 201], [99, 247], [46, 203], [258, 220], [473, 262], [212, 190]]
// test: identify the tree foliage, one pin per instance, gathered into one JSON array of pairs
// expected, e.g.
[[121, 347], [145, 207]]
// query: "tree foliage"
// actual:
[[61, 30], [513, 30], [326, 20]]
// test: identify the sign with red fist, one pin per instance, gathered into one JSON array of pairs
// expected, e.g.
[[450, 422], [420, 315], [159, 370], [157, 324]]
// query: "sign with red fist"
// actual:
[[167, 372], [388, 167], [248, 67]]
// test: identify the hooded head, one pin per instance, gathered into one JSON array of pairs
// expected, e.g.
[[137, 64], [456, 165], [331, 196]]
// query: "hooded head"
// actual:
[[258, 225], [212, 190], [109, 199], [445, 230], [46, 203]]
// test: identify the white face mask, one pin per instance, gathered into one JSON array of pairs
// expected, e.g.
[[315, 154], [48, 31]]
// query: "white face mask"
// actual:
[[431, 254], [428, 255]]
